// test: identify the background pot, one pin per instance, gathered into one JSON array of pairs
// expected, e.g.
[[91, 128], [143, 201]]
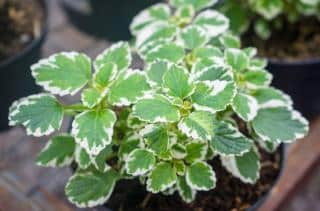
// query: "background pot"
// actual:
[[16, 80], [301, 80], [109, 19]]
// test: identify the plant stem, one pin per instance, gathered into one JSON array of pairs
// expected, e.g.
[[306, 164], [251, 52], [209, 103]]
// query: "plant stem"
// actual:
[[146, 200], [75, 107]]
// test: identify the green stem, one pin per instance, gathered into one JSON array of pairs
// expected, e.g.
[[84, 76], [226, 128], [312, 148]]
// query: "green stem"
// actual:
[[74, 107]]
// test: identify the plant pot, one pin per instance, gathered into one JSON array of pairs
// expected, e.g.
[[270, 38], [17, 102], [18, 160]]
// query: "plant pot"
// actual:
[[136, 192], [301, 80], [16, 80], [105, 19]]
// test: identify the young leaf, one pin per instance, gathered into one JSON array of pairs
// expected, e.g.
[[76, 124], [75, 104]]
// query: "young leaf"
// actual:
[[198, 125], [90, 97], [185, 13], [99, 161], [213, 22], [157, 12], [93, 130], [169, 51], [245, 167], [90, 189], [186, 192], [162, 177], [176, 82], [258, 78], [280, 125], [58, 152], [82, 157], [180, 167], [119, 54], [227, 140], [156, 138], [196, 151], [41, 114], [200, 176], [193, 37], [106, 73], [63, 73], [155, 72], [130, 86], [206, 54], [139, 162], [156, 108], [271, 98], [178, 151], [245, 106], [197, 4], [237, 59]]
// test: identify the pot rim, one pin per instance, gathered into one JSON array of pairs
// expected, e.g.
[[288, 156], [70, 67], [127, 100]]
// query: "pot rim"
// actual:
[[303, 62], [35, 42]]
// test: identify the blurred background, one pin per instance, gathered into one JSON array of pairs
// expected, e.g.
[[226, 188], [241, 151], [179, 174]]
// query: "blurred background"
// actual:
[[68, 26]]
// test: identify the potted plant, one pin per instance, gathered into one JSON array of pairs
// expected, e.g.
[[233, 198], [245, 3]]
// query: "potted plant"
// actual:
[[288, 34], [104, 19], [23, 29], [188, 132]]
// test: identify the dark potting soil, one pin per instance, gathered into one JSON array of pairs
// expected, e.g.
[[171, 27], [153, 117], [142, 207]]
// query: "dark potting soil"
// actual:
[[230, 193], [294, 42], [20, 23]]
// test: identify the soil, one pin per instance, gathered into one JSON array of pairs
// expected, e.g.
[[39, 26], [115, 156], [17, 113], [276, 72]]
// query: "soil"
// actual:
[[295, 42], [230, 193], [20, 23]]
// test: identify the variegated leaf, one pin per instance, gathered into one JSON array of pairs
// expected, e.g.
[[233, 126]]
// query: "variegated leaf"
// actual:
[[200, 176], [185, 191], [139, 162], [156, 138], [271, 98], [156, 70], [162, 177], [196, 151], [197, 4], [193, 37], [169, 51], [237, 59], [245, 106]]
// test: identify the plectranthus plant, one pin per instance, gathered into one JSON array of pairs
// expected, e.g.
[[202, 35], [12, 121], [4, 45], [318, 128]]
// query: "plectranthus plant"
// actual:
[[266, 16], [199, 96]]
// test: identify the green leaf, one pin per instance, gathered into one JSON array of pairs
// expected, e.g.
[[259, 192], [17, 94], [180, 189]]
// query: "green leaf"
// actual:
[[156, 108], [127, 147], [41, 114], [197, 4], [280, 125], [106, 73], [237, 59], [90, 97], [130, 86], [227, 140], [268, 145], [63, 73], [245, 106], [178, 151], [139, 162], [99, 161], [200, 176], [208, 53], [162, 177], [251, 52], [198, 125], [169, 51], [271, 98], [82, 157], [269, 9], [155, 31], [180, 167], [185, 13], [193, 37], [185, 191], [156, 70], [93, 130], [230, 41], [258, 78], [58, 152], [213, 22], [157, 12], [176, 82], [89, 189], [196, 151], [156, 137], [245, 167], [258, 64], [213, 96], [118, 53]]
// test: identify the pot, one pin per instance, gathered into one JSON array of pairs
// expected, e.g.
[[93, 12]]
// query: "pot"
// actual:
[[104, 19], [136, 191], [301, 80], [16, 80]]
